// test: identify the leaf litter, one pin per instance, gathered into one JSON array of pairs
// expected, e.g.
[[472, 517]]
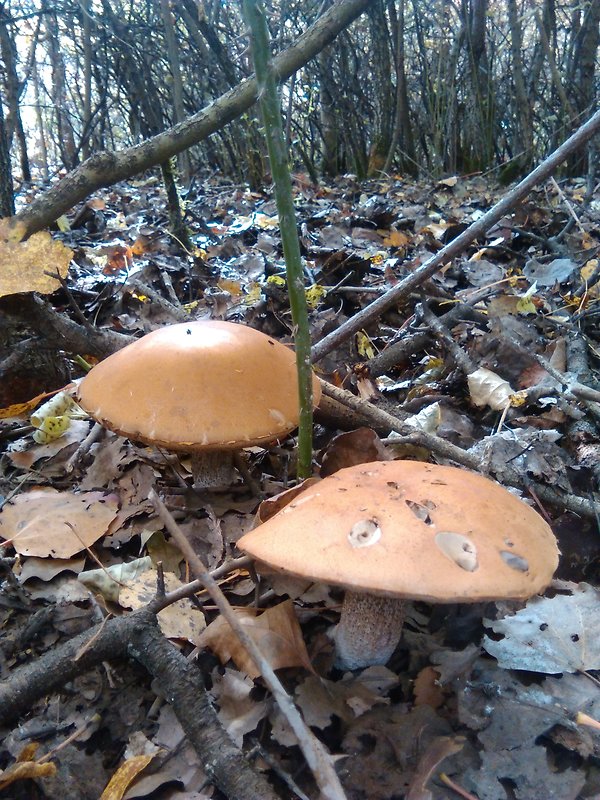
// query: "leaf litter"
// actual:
[[454, 700]]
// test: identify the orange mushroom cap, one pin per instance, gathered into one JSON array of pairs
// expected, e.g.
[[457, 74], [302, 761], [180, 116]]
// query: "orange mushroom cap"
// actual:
[[204, 385], [410, 530]]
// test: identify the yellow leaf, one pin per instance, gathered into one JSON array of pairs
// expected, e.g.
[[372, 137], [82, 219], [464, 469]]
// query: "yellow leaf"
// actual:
[[63, 224], [124, 776], [25, 264], [315, 294], [518, 398], [253, 295], [10, 230], [18, 409], [364, 345], [26, 768], [396, 239], [61, 403], [276, 280], [525, 304], [141, 297], [228, 285], [51, 428], [265, 222]]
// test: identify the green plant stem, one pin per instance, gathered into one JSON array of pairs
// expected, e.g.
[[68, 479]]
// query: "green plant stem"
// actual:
[[271, 114]]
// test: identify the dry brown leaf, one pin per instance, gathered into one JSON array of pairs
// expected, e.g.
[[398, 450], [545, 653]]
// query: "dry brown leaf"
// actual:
[[44, 522], [427, 689], [180, 620], [239, 712], [355, 447], [439, 749], [276, 632], [124, 776], [25, 264]]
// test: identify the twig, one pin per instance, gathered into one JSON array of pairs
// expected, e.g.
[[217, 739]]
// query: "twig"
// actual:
[[441, 332], [137, 635], [318, 759]]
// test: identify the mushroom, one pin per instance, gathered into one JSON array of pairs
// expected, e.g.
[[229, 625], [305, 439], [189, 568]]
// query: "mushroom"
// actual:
[[393, 530], [206, 387]]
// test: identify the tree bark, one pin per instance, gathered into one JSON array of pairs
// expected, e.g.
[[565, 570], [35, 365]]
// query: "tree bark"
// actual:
[[7, 202], [105, 168]]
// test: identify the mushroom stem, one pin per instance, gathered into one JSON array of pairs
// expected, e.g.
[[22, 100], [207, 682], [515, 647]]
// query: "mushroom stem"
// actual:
[[212, 469], [369, 630]]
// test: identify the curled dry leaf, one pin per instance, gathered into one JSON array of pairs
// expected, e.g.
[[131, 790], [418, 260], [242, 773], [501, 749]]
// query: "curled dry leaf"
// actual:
[[44, 522], [489, 389], [276, 631], [25, 768], [124, 776], [355, 447]]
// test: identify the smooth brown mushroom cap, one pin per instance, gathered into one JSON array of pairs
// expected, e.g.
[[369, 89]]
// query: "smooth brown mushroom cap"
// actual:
[[198, 385], [412, 530]]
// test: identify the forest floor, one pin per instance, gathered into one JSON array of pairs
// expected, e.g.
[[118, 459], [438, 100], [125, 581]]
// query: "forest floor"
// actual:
[[470, 705]]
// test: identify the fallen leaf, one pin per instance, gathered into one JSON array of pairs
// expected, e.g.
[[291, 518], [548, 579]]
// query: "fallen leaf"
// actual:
[[238, 712], [276, 632], [360, 446], [44, 522], [488, 389], [26, 768], [180, 620], [108, 581], [25, 264], [126, 774], [551, 635]]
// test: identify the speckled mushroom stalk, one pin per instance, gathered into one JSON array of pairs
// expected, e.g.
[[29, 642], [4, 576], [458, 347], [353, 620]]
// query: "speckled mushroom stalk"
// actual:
[[212, 469], [369, 630]]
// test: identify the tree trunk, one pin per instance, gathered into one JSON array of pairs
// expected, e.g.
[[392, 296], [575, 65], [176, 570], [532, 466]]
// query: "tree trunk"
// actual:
[[183, 159], [522, 109], [382, 90], [402, 134], [7, 202]]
